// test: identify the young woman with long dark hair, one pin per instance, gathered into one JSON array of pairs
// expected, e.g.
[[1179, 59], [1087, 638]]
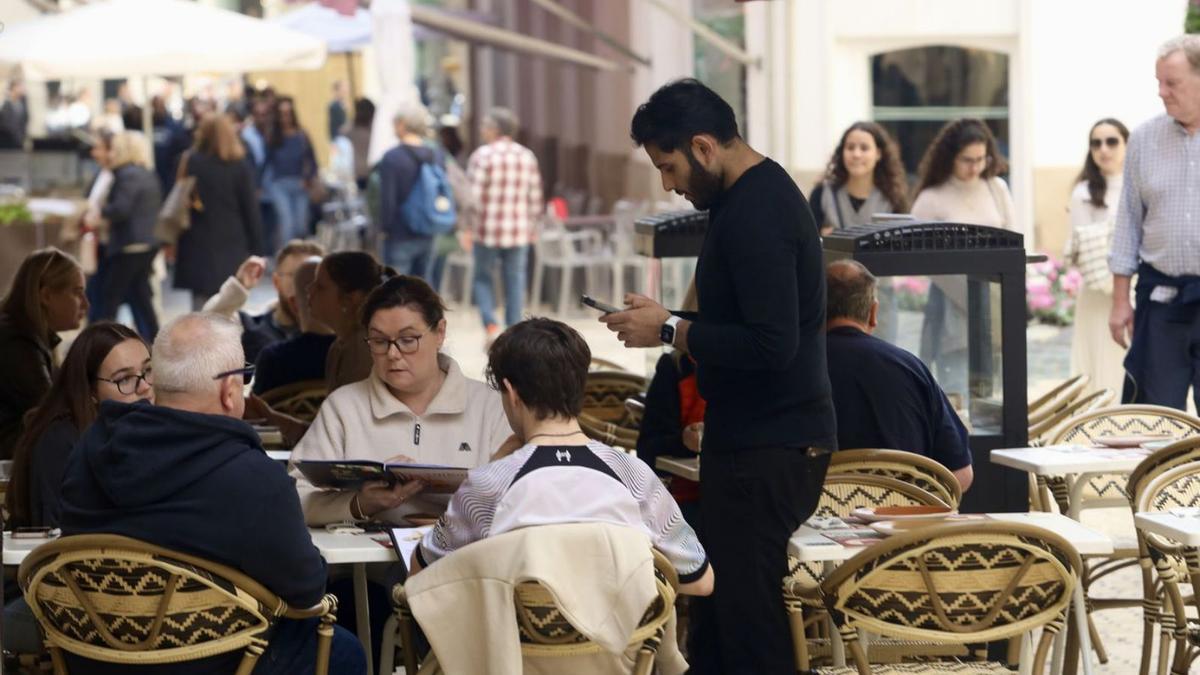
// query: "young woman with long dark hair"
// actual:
[[1092, 208], [107, 362], [865, 176], [47, 297], [959, 183]]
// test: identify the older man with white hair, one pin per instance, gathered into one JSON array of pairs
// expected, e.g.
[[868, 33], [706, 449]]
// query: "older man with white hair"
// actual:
[[1157, 237], [188, 474], [408, 247]]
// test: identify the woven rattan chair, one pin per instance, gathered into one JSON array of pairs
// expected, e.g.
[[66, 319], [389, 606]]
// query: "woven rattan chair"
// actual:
[[956, 583], [1141, 480], [1040, 432], [545, 632], [120, 600], [1075, 494], [1174, 564], [841, 494], [606, 417], [301, 400], [1056, 399], [908, 467], [605, 393]]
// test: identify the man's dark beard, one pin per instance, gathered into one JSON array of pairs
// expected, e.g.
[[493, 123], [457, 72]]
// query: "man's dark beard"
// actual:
[[704, 186]]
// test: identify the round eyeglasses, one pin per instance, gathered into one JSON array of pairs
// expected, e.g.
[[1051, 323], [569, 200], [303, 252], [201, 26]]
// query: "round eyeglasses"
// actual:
[[129, 384]]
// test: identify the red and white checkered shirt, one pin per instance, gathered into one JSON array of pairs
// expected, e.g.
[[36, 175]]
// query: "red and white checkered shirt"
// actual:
[[507, 187]]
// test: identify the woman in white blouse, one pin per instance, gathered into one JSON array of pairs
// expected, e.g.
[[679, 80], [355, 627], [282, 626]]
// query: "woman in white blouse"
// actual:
[[1092, 208], [959, 183]]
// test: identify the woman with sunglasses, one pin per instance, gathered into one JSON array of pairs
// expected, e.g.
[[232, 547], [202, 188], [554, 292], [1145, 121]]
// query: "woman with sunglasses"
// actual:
[[1092, 209], [107, 362], [416, 405], [959, 182]]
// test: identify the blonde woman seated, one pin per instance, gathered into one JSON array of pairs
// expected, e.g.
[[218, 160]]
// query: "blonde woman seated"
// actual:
[[416, 405]]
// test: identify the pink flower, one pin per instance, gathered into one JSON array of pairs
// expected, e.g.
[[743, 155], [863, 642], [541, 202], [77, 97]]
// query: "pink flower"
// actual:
[[1072, 281], [1037, 286], [1041, 301]]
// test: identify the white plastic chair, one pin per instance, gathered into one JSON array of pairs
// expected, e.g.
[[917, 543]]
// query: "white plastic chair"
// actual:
[[558, 249]]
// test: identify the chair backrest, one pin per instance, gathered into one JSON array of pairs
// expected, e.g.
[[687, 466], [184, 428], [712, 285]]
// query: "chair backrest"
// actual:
[[1123, 420], [545, 630], [965, 582], [1094, 401], [299, 399], [1159, 462], [599, 364], [841, 494], [605, 393], [1175, 488], [1056, 398], [908, 467], [116, 599], [609, 433]]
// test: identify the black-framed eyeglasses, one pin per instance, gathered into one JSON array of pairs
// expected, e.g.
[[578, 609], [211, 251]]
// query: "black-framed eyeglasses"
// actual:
[[1111, 141], [406, 344], [129, 384], [245, 371]]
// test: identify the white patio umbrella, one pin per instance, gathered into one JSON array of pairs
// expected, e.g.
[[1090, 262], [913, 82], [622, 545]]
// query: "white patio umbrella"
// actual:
[[129, 38], [125, 38], [393, 39]]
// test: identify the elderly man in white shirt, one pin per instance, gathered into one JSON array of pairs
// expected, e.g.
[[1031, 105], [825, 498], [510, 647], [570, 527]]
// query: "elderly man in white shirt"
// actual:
[[1157, 237]]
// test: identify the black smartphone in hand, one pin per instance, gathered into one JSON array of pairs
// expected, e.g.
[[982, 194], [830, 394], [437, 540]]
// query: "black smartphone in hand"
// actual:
[[596, 304]]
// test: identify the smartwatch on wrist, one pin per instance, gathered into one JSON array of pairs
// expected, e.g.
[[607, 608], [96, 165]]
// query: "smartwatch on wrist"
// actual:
[[667, 333]]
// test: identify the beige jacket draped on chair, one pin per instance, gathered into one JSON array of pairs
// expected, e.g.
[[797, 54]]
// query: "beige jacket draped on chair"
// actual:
[[601, 576]]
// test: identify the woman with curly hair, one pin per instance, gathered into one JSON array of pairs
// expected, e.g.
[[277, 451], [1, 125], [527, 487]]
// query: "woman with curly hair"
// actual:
[[864, 177], [959, 183]]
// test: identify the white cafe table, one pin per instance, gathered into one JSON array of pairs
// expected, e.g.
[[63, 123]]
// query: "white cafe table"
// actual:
[[684, 467], [337, 549], [1181, 525], [809, 545], [1066, 460]]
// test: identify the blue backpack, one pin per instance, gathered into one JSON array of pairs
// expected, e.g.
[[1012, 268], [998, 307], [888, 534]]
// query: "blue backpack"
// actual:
[[429, 209]]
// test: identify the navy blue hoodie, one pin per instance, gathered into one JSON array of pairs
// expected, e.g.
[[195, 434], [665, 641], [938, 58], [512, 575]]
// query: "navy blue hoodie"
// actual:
[[195, 483]]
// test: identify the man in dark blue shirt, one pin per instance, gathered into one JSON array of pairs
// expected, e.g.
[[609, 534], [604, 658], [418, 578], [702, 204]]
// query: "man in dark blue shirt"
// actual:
[[884, 396], [301, 357]]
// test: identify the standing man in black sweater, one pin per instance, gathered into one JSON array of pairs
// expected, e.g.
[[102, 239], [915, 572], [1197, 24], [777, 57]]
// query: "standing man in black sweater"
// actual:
[[759, 345]]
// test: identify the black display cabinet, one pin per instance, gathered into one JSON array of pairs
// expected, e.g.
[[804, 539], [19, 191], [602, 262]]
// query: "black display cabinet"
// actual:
[[951, 293], [954, 294]]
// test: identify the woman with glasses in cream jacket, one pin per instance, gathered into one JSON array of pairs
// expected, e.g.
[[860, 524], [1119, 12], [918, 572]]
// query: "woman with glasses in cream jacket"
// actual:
[[416, 406]]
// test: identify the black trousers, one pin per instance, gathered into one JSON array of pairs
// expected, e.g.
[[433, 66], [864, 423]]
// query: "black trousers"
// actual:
[[751, 501], [126, 278]]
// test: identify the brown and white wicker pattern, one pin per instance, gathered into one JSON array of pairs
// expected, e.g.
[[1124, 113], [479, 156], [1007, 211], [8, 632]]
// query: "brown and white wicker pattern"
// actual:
[[939, 668], [115, 599], [300, 399], [962, 582], [1122, 420], [1039, 432], [907, 467], [605, 393]]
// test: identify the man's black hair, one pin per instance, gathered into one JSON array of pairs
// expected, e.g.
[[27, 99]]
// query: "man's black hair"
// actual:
[[680, 110]]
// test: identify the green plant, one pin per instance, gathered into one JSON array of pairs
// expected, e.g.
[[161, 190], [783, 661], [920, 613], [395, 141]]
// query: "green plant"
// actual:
[[1191, 23], [14, 213]]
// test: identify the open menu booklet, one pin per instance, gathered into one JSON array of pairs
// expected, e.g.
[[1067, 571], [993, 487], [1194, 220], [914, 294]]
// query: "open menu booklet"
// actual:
[[351, 474]]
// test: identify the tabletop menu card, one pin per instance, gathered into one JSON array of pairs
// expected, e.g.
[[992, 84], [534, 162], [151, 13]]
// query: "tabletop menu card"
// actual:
[[350, 474]]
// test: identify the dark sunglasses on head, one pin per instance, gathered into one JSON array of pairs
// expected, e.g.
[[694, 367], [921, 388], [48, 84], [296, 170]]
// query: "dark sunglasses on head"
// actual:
[[245, 371], [1111, 141]]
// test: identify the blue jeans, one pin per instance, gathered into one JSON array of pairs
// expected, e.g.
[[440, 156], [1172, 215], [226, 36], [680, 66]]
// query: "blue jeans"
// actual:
[[410, 255], [513, 261], [290, 201]]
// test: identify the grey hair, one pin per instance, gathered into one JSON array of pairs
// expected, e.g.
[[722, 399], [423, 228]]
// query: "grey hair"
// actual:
[[1188, 44], [414, 117], [503, 119], [851, 291], [305, 275], [193, 348]]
